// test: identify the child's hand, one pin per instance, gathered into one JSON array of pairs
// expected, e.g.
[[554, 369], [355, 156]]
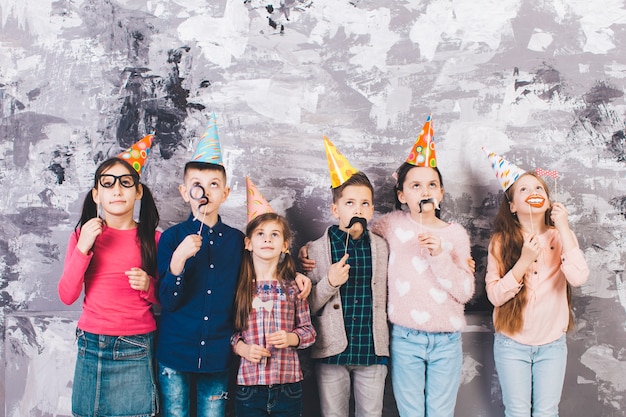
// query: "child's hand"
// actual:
[[253, 353], [430, 242], [307, 264], [559, 216], [304, 285], [530, 249], [282, 339], [339, 272], [185, 250], [138, 279], [88, 234], [471, 263]]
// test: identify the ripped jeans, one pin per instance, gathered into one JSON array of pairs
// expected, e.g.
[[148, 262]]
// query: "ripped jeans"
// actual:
[[175, 386]]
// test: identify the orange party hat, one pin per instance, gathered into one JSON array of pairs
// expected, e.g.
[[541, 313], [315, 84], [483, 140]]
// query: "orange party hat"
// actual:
[[257, 204], [136, 155], [423, 151], [338, 166]]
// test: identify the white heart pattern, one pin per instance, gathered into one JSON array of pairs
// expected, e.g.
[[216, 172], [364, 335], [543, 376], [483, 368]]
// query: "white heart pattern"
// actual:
[[404, 235], [456, 322], [438, 295], [445, 283], [403, 287], [420, 317], [420, 265]]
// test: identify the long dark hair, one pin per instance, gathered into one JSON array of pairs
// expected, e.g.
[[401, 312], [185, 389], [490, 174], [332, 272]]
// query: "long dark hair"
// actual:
[[508, 240], [148, 214], [401, 174], [246, 288]]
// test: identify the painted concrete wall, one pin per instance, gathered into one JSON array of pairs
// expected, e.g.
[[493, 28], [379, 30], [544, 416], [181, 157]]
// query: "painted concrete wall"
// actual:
[[541, 82]]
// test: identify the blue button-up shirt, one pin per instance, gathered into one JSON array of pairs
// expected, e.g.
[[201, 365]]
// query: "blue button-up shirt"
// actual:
[[197, 306]]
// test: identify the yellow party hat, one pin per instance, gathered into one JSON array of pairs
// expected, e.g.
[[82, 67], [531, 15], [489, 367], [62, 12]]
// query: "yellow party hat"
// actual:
[[338, 166]]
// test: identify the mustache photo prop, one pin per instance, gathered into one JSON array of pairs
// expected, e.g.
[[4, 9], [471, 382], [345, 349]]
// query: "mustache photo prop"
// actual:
[[353, 221], [430, 200]]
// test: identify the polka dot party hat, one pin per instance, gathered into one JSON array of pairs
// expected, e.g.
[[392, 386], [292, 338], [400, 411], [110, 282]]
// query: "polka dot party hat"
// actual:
[[338, 166], [136, 155], [423, 151], [208, 149], [257, 204], [506, 172]]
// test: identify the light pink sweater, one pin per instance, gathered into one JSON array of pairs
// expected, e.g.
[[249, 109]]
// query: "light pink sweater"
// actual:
[[546, 314], [111, 307], [426, 292]]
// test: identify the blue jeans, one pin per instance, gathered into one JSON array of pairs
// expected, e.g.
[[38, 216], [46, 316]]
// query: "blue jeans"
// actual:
[[212, 392], [531, 377], [269, 400], [114, 376], [425, 371], [334, 382]]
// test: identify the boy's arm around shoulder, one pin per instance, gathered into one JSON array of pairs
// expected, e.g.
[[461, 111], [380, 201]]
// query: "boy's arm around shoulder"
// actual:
[[322, 290]]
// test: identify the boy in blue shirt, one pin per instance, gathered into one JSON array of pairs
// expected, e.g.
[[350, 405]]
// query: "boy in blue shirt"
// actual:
[[198, 265]]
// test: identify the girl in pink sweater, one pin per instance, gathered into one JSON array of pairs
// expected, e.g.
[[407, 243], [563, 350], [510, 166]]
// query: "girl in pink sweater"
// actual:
[[113, 258], [429, 282], [533, 260]]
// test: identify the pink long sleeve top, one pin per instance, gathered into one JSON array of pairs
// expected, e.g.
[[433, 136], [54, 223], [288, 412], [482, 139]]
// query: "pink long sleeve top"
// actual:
[[110, 306], [546, 314], [425, 292]]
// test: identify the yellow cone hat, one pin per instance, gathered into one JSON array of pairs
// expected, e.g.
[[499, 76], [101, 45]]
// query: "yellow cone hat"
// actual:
[[338, 166], [423, 151], [257, 204], [137, 154]]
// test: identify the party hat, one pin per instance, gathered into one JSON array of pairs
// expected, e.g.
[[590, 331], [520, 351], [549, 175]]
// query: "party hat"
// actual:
[[208, 149], [257, 204], [423, 151], [136, 155], [338, 166], [506, 172]]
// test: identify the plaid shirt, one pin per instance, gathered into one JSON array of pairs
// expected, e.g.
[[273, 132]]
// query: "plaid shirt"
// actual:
[[278, 309], [356, 299]]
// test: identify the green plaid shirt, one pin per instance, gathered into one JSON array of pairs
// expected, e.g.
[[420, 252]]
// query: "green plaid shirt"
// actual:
[[356, 300]]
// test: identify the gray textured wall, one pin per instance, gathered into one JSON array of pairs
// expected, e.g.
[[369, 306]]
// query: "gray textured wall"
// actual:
[[541, 82]]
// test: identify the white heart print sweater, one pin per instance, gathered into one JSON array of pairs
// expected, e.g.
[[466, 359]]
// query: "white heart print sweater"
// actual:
[[426, 292]]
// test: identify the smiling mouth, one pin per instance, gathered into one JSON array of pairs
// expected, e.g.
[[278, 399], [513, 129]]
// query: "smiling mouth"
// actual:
[[536, 200]]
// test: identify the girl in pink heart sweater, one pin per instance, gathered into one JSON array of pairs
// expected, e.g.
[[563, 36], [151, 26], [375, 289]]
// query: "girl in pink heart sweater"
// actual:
[[429, 282]]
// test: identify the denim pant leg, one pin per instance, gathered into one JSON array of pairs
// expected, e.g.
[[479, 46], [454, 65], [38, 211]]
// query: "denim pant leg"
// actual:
[[531, 377], [425, 371], [283, 400], [333, 383], [549, 365], [369, 390], [212, 394], [443, 374], [408, 371], [175, 388]]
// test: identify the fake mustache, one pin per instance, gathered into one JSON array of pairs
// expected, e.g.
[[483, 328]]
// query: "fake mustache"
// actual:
[[430, 200], [356, 220]]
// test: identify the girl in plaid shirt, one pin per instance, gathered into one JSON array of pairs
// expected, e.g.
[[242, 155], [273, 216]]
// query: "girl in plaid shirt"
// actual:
[[271, 323]]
